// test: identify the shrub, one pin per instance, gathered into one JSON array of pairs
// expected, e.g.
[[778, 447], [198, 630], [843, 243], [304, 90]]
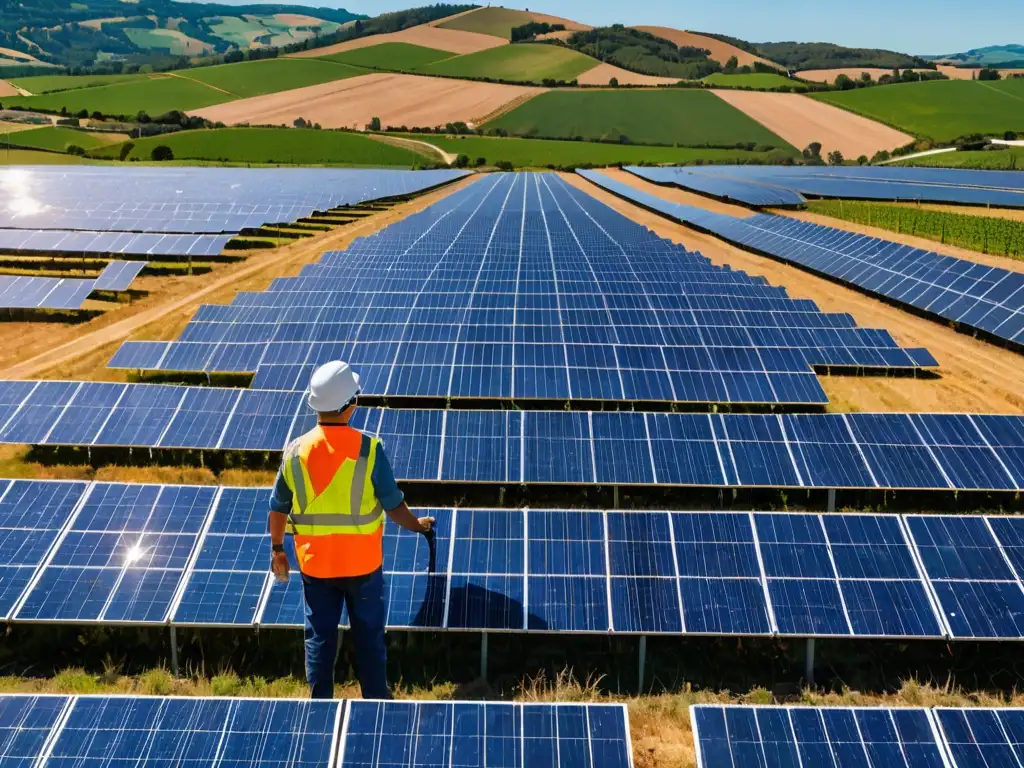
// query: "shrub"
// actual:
[[74, 149], [481, 161], [835, 157], [126, 149], [374, 124], [504, 165], [614, 82], [161, 153], [462, 161]]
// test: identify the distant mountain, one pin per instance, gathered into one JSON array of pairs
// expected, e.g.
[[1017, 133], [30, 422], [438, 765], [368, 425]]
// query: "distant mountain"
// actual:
[[81, 33], [991, 56]]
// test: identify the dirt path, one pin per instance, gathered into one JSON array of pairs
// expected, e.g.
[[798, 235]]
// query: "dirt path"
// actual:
[[976, 377], [33, 349], [200, 82], [416, 146], [1015, 265], [801, 120], [396, 99]]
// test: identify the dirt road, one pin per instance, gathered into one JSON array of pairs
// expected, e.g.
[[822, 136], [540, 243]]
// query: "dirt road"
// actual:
[[30, 350], [976, 377], [416, 145]]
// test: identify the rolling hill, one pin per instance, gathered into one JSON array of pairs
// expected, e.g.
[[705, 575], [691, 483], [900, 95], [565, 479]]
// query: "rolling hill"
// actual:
[[999, 56]]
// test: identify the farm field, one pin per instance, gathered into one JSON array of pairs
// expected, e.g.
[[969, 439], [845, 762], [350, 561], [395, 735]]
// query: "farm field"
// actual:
[[755, 80], [538, 153], [1009, 159], [178, 43], [941, 110], [497, 22], [273, 145], [801, 120], [424, 36], [15, 156], [720, 50], [396, 99], [984, 234], [57, 138], [669, 117], [154, 95], [255, 78], [602, 74], [394, 56], [38, 84], [518, 63]]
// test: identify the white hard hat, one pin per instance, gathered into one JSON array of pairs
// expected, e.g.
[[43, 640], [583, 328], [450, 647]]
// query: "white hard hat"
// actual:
[[333, 386]]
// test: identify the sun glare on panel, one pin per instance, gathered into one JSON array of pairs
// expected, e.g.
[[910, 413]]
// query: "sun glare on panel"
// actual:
[[16, 183], [135, 554]]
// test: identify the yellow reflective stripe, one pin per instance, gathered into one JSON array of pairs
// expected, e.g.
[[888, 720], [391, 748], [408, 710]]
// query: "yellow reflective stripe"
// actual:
[[358, 483], [326, 530], [298, 473], [321, 519]]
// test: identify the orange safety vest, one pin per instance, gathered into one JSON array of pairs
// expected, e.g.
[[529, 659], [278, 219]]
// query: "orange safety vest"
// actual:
[[336, 519]]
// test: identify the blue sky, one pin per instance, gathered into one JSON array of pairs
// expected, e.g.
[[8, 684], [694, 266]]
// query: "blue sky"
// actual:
[[910, 26]]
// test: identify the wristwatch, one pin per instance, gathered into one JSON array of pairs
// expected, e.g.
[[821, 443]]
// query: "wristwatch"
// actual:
[[277, 548]]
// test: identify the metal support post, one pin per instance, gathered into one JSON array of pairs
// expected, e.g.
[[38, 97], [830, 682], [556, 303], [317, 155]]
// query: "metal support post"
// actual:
[[483, 655], [831, 499], [174, 650], [809, 662], [615, 497], [642, 663]]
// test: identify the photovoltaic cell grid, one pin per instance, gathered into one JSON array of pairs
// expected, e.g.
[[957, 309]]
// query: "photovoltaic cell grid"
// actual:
[[999, 188], [191, 201], [116, 243], [773, 737], [884, 451], [118, 275], [21, 292], [87, 731], [985, 298], [139, 554], [525, 287], [724, 185]]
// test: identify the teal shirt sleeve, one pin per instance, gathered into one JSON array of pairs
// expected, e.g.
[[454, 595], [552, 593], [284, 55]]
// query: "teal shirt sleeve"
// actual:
[[281, 497], [384, 484]]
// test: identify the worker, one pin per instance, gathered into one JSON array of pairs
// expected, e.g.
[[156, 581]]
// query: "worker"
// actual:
[[333, 490]]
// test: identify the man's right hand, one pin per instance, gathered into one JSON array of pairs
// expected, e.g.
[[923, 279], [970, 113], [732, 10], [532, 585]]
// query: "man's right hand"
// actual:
[[427, 524], [279, 565]]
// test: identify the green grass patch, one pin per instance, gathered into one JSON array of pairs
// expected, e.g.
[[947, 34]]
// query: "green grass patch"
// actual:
[[17, 156], [255, 78], [759, 80], [942, 109], [668, 117], [236, 30], [498, 22], [520, 63], [56, 138], [273, 145], [539, 153], [155, 96], [398, 56], [38, 84], [176, 42], [1009, 159], [984, 234]]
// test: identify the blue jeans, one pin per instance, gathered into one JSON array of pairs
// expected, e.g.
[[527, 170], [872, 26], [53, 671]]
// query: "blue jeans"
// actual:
[[364, 596]]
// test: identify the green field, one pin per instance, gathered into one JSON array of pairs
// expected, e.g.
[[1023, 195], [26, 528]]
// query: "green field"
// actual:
[[540, 153], [152, 95], [47, 83], [35, 157], [236, 30], [759, 80], [691, 118], [397, 56], [498, 22], [524, 63], [984, 234], [941, 109], [58, 137], [255, 78], [177, 43], [1010, 159], [273, 146]]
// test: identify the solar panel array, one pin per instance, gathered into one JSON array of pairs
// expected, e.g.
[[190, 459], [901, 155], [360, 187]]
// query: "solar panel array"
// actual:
[[93, 731], [117, 243], [773, 737], [118, 275], [521, 286], [886, 451], [23, 292], [117, 553], [985, 298], [788, 183]]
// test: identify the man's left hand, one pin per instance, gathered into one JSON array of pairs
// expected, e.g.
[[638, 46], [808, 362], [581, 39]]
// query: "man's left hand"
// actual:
[[427, 523]]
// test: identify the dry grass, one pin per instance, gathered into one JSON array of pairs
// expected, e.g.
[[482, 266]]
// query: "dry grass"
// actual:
[[660, 724]]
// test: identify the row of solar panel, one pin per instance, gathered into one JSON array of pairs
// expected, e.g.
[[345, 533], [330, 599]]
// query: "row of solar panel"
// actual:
[[119, 243], [977, 296], [114, 553], [724, 185], [887, 451], [94, 731], [23, 292], [787, 737], [185, 201], [877, 183]]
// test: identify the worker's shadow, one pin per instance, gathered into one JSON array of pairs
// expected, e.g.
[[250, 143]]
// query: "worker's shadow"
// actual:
[[474, 602]]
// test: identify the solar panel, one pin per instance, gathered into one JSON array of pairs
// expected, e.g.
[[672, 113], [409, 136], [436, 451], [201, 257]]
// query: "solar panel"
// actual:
[[738, 736], [981, 736], [25, 725], [118, 275], [20, 292], [976, 296], [723, 185]]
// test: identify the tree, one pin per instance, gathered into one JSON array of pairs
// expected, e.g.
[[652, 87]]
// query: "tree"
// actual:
[[374, 124], [300, 122], [845, 83], [83, 114], [142, 117], [161, 153], [126, 149], [1010, 136], [461, 161], [74, 149], [865, 77], [880, 157], [813, 150], [835, 157], [732, 64], [989, 74], [862, 160], [504, 165], [614, 82], [97, 115], [481, 162]]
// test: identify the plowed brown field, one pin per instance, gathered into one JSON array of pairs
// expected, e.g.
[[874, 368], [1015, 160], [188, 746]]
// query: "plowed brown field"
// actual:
[[801, 121], [720, 51], [602, 73], [569, 24], [352, 103], [451, 40], [6, 89]]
